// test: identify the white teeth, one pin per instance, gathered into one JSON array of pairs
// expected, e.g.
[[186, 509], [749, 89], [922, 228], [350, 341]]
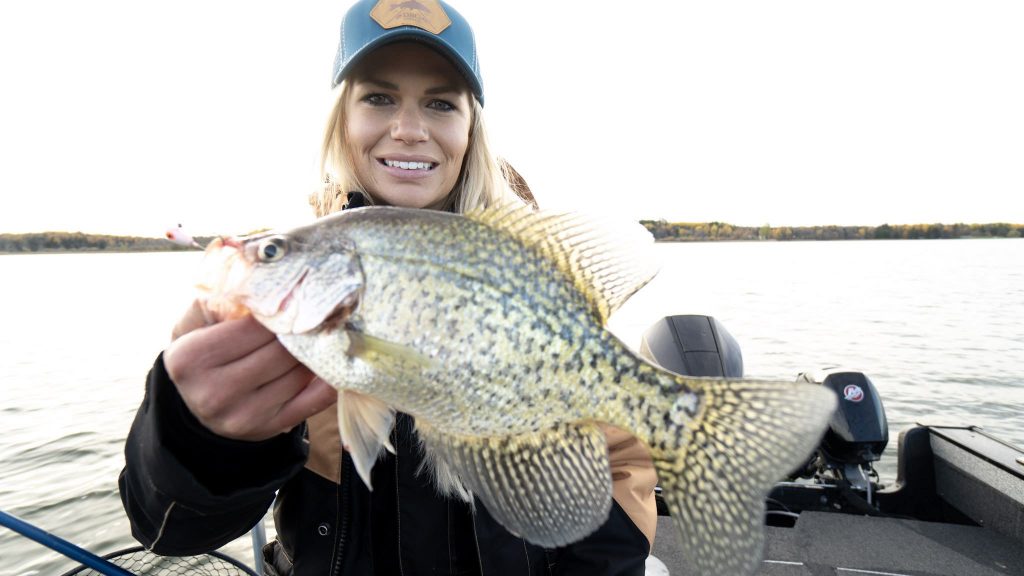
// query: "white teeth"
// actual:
[[409, 165]]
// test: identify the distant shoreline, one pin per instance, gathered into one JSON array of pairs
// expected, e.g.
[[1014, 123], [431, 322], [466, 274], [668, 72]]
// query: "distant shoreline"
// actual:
[[79, 242], [96, 251], [722, 231], [663, 231]]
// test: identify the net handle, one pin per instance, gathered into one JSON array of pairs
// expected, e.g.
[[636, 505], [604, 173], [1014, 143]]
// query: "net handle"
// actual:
[[61, 545]]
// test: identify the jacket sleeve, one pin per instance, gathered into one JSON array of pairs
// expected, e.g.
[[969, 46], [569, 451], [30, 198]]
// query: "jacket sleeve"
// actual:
[[620, 547], [188, 491]]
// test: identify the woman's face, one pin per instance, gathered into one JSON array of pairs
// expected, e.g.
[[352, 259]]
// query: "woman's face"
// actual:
[[408, 119]]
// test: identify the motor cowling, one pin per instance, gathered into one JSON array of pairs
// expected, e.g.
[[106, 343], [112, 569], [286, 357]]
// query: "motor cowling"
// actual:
[[693, 345], [858, 431]]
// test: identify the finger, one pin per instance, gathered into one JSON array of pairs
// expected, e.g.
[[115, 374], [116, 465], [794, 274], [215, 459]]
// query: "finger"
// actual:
[[315, 397], [274, 395], [262, 414], [221, 344], [262, 366], [243, 411], [232, 391]]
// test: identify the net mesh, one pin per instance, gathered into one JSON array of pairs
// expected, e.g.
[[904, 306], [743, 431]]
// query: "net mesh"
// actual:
[[140, 561]]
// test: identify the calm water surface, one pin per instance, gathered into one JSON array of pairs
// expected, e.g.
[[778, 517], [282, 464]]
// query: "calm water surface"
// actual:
[[937, 325]]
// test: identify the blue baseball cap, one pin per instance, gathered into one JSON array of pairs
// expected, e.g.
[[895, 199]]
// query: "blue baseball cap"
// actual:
[[370, 24]]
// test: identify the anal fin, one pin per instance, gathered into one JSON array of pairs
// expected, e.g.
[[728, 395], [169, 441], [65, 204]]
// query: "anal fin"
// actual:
[[551, 487]]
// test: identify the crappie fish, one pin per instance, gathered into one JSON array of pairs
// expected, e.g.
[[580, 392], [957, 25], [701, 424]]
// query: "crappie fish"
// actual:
[[489, 329]]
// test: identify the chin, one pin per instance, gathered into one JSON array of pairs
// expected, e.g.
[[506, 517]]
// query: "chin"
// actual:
[[413, 198]]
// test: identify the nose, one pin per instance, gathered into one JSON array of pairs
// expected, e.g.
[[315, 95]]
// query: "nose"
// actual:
[[408, 125]]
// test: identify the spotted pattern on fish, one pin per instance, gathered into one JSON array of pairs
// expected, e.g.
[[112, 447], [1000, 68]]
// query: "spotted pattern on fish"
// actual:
[[489, 330]]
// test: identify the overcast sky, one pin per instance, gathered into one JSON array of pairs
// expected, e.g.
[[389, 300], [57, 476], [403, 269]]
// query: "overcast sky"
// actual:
[[126, 117]]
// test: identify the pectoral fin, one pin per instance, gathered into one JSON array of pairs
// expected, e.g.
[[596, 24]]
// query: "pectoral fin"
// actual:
[[385, 354], [365, 424], [552, 487]]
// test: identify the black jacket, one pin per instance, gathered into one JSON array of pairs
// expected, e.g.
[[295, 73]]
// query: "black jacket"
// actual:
[[189, 491]]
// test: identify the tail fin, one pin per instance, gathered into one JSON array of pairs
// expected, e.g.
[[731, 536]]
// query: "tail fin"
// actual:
[[746, 436]]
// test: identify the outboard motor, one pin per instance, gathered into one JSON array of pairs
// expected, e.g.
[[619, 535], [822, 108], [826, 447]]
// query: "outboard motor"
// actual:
[[856, 435], [843, 464], [693, 345]]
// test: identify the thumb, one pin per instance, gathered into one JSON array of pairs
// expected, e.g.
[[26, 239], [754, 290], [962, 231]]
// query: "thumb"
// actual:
[[195, 317]]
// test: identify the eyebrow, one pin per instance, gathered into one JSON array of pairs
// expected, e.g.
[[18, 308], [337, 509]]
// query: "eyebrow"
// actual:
[[445, 89]]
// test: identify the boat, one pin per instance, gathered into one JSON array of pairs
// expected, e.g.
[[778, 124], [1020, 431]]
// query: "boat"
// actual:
[[955, 509]]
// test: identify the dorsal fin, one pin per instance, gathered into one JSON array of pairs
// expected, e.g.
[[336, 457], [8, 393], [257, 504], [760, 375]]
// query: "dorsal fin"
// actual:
[[608, 261]]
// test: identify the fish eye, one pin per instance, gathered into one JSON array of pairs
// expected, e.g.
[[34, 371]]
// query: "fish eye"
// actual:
[[272, 249]]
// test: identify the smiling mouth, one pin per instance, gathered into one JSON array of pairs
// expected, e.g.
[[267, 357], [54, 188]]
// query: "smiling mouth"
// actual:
[[411, 166]]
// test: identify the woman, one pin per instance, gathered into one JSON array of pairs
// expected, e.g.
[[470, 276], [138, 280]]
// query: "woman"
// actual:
[[230, 418]]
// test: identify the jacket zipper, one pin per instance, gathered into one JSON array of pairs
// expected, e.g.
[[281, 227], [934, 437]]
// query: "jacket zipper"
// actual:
[[398, 511], [476, 541], [343, 512]]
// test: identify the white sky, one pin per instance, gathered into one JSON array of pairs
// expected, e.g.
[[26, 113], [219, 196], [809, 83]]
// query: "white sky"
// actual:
[[125, 117]]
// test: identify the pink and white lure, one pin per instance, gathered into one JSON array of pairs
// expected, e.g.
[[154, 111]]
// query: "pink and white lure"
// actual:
[[179, 236]]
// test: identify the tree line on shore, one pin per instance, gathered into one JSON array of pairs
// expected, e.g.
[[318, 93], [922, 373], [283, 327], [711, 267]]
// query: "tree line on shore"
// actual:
[[717, 231], [663, 231], [81, 242]]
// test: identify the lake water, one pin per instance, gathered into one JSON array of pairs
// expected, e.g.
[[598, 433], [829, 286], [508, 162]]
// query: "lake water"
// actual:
[[938, 325]]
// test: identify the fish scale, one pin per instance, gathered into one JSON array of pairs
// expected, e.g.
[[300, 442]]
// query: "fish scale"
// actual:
[[504, 319], [489, 329]]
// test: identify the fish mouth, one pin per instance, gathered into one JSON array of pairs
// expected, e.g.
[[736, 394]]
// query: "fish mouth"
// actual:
[[287, 295], [298, 313], [222, 270]]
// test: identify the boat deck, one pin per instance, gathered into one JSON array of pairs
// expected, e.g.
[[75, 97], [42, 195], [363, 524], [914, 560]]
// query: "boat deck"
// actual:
[[825, 544], [956, 509]]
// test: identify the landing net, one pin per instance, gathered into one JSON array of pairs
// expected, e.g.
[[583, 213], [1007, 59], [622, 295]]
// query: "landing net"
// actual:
[[138, 560]]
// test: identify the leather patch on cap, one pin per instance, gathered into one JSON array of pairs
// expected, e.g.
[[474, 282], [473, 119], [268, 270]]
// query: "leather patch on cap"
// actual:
[[425, 14]]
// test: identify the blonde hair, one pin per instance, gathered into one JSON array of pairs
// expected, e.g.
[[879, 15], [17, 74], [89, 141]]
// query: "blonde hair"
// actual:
[[481, 181]]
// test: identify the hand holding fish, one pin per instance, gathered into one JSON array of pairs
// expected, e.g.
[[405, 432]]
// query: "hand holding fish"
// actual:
[[238, 380]]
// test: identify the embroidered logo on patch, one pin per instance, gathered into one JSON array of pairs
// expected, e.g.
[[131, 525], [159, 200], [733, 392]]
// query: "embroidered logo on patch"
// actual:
[[425, 14]]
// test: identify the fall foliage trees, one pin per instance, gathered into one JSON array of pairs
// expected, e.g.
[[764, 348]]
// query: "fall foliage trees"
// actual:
[[663, 231], [710, 231], [81, 242]]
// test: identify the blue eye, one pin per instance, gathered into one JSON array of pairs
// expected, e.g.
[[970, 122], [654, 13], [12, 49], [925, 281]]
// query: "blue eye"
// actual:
[[377, 99], [442, 106]]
